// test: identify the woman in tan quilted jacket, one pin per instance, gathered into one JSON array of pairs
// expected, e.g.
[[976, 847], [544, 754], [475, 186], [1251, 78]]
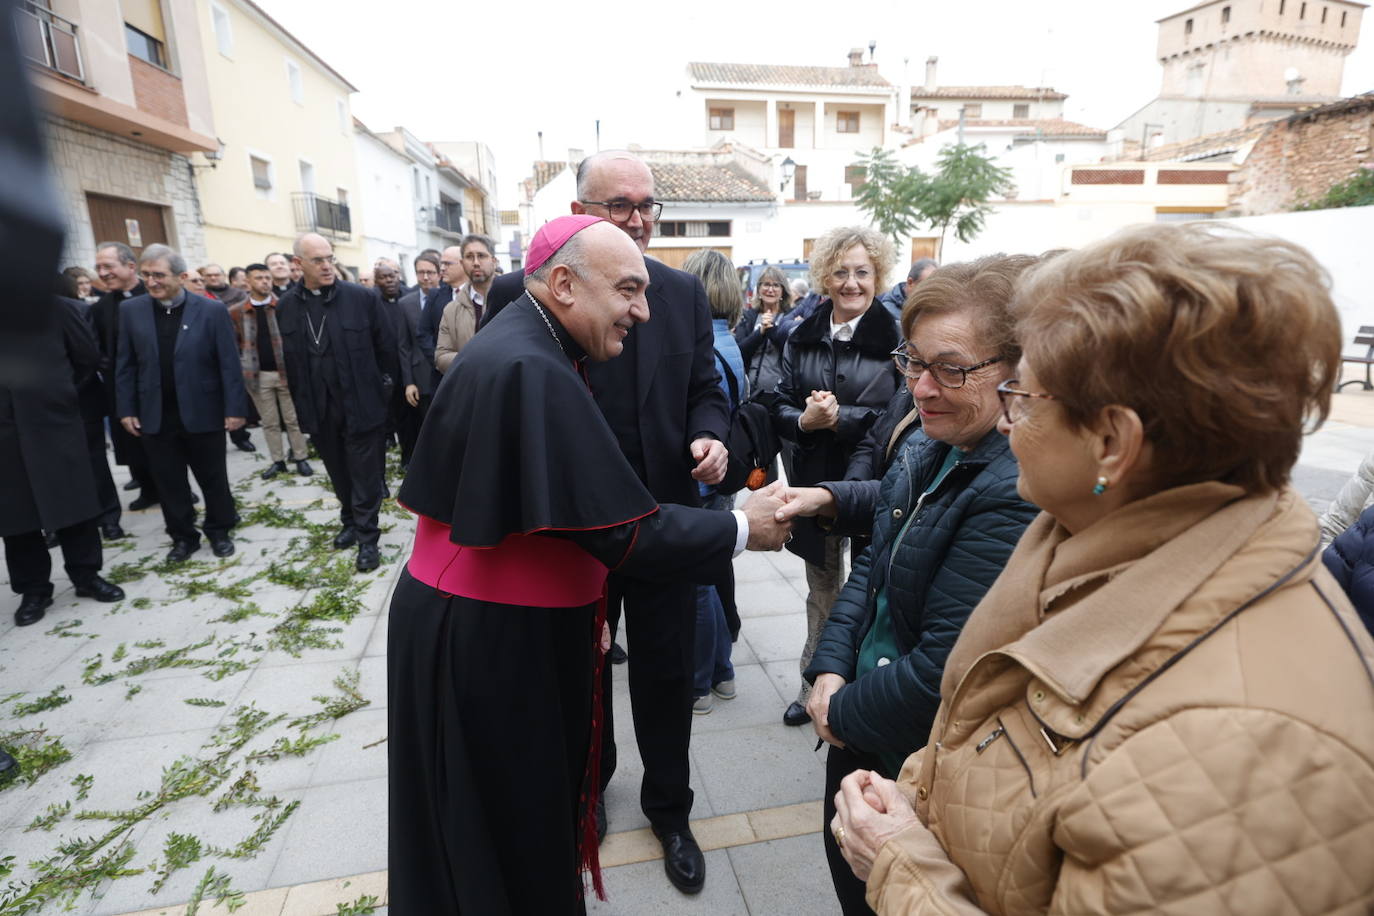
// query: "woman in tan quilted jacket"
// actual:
[[1164, 704]]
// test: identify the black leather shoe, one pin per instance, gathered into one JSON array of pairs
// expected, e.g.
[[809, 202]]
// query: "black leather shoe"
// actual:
[[246, 445], [617, 655], [347, 537], [796, 715], [9, 768], [369, 557], [143, 502], [602, 824], [100, 590], [273, 469], [31, 609], [132, 485], [304, 469], [111, 531], [181, 551], [222, 547], [682, 860]]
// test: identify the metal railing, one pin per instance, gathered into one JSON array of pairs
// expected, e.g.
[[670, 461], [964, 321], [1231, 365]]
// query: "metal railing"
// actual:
[[48, 39], [320, 214]]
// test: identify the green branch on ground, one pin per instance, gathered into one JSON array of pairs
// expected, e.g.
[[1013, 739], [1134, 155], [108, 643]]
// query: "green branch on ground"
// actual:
[[50, 700], [35, 753]]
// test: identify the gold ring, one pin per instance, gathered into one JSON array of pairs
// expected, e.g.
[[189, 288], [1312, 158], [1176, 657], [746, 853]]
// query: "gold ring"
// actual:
[[839, 835]]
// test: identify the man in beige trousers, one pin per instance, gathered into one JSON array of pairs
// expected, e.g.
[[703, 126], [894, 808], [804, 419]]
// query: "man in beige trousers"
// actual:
[[264, 371]]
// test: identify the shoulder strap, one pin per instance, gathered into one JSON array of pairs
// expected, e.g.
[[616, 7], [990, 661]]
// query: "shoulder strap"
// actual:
[[729, 380]]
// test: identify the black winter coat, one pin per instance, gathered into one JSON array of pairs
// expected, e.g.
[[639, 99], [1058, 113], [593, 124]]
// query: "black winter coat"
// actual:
[[762, 352], [954, 549], [362, 344], [860, 373], [45, 467], [1351, 560]]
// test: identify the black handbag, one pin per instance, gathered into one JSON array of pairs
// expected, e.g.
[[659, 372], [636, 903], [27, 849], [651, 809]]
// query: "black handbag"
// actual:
[[752, 443]]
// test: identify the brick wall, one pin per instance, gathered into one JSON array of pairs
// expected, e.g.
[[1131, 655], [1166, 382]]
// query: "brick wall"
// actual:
[[1298, 158], [84, 159], [157, 92]]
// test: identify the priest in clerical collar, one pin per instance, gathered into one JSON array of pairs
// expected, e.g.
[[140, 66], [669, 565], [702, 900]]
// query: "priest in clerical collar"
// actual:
[[497, 626]]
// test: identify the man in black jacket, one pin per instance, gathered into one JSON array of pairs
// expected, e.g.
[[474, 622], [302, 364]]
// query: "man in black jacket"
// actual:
[[118, 270], [415, 351], [178, 388], [340, 350], [662, 398]]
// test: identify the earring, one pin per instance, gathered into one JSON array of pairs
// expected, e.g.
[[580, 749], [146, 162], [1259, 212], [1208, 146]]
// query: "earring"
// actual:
[[1101, 486]]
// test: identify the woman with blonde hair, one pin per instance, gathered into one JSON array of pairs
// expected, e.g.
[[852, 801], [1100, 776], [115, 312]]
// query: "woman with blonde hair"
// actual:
[[1164, 703], [837, 377]]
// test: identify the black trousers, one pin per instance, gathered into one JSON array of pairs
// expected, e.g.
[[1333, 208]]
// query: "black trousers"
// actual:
[[354, 462], [240, 435], [170, 454], [408, 426], [30, 564], [848, 889], [135, 457], [662, 623], [110, 509]]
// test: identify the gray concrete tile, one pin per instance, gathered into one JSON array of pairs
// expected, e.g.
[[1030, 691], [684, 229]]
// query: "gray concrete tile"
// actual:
[[348, 759], [785, 877], [376, 641], [769, 597], [352, 640], [161, 707], [634, 890], [776, 637], [753, 566], [29, 658], [339, 830], [786, 678], [756, 702], [762, 766]]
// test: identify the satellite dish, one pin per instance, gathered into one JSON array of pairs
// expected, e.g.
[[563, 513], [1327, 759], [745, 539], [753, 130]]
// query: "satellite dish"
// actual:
[[1291, 74]]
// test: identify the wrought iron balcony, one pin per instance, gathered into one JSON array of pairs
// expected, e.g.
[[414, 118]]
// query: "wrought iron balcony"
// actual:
[[47, 39], [329, 218]]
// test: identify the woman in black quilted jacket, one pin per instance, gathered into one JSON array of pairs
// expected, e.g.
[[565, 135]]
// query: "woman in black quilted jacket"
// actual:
[[943, 520]]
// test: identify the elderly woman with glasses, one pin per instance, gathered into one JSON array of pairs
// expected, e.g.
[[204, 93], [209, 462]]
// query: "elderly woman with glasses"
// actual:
[[944, 520], [837, 376], [1164, 704]]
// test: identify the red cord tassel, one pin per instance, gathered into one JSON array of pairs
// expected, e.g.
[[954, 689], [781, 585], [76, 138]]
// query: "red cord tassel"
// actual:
[[589, 853]]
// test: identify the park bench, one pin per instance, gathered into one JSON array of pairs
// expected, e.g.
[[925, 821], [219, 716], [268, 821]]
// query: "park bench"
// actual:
[[1364, 338]]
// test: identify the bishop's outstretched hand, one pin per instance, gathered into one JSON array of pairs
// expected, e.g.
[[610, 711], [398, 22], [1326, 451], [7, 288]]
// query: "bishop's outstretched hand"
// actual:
[[765, 531]]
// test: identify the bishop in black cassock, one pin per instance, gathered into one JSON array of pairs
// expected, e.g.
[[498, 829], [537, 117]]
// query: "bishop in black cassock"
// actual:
[[525, 503]]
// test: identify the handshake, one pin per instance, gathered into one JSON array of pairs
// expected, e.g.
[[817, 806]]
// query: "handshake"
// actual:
[[770, 512]]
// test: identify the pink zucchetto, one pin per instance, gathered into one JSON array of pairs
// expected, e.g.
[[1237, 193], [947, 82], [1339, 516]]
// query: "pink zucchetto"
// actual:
[[553, 235]]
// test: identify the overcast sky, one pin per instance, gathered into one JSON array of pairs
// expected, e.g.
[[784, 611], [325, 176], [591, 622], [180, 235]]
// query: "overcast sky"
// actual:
[[500, 72]]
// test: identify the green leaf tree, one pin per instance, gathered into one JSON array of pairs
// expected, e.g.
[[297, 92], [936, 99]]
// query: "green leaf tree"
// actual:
[[898, 200]]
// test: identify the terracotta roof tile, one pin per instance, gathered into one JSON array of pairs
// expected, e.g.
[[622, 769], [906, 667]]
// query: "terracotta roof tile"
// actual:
[[1047, 127], [718, 183], [987, 92], [866, 76]]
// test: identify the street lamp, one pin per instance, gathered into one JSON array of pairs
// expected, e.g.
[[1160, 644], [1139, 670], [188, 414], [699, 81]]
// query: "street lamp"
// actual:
[[789, 168]]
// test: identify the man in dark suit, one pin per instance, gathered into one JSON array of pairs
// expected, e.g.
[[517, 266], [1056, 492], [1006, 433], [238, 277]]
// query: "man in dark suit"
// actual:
[[340, 350], [663, 400], [118, 270], [178, 387], [415, 351]]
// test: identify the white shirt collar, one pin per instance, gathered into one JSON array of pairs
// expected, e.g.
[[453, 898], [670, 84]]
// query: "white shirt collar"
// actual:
[[852, 324]]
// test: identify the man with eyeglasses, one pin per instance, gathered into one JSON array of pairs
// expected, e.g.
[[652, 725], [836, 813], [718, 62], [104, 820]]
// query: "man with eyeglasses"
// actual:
[[463, 316], [178, 387], [339, 343], [663, 399], [415, 351]]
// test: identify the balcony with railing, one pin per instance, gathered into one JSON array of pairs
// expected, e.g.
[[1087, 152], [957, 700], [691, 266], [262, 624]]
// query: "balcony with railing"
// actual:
[[329, 218], [47, 39]]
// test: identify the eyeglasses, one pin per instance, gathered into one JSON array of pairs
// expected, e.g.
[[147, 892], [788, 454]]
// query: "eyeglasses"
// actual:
[[842, 275], [620, 210], [770, 285], [946, 375], [153, 275], [320, 262], [1008, 390]]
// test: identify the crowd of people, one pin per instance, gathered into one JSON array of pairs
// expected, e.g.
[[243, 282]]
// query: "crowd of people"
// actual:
[[1070, 638]]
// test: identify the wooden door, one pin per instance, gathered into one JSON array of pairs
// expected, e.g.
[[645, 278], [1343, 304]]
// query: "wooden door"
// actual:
[[799, 183], [676, 257], [787, 128], [136, 224], [924, 248]]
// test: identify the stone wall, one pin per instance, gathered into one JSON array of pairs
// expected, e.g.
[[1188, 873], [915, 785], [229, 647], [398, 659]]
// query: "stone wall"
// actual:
[[87, 160], [1299, 158]]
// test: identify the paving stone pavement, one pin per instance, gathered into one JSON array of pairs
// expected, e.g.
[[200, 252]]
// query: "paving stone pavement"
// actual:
[[758, 783]]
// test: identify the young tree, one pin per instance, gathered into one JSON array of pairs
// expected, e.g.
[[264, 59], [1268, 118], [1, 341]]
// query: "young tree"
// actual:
[[899, 200]]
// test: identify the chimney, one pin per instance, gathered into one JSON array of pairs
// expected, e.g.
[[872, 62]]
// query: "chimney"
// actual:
[[856, 57], [930, 72]]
